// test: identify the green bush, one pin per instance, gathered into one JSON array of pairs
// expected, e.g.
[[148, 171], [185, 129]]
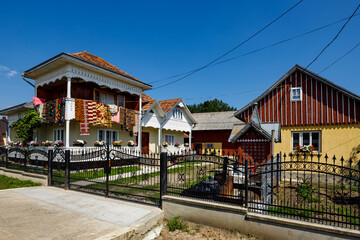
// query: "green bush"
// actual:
[[305, 192], [177, 223]]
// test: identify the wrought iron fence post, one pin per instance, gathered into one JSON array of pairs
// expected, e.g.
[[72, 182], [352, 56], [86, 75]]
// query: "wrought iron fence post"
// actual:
[[163, 175], [272, 179], [50, 167], [107, 169], [246, 183], [67, 169], [6, 158], [26, 152]]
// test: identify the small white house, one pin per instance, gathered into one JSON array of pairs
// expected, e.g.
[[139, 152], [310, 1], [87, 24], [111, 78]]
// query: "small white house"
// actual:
[[165, 121]]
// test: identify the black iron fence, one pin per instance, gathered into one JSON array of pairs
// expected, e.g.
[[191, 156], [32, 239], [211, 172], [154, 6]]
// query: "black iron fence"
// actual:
[[302, 186], [25, 159]]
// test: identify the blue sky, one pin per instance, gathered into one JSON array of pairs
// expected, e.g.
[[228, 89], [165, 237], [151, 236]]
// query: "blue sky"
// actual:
[[152, 40]]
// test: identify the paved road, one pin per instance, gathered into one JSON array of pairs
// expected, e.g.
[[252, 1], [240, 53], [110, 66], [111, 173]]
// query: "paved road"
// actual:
[[53, 213]]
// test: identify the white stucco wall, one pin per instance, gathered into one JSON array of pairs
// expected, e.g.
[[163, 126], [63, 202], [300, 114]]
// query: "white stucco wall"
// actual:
[[176, 124]]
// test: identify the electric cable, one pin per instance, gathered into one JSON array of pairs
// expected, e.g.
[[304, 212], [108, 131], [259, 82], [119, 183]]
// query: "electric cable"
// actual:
[[342, 28], [231, 50], [260, 49], [330, 65]]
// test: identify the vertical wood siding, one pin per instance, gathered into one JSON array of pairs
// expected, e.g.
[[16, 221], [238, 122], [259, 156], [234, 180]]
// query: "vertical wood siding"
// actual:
[[321, 104]]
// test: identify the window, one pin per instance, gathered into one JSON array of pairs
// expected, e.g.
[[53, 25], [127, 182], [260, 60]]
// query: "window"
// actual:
[[120, 101], [296, 94], [107, 135], [177, 113], [170, 139], [209, 146], [35, 135], [306, 139], [59, 134], [109, 98]]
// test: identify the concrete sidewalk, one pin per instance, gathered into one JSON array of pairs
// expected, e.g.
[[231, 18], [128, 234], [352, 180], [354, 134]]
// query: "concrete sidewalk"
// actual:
[[53, 213]]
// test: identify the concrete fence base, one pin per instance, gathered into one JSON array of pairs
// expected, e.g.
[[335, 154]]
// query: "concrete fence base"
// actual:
[[24, 175], [234, 217]]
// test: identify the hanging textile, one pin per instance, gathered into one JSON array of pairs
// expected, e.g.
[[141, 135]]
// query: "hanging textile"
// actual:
[[60, 111], [137, 122], [41, 110], [70, 109], [84, 126], [129, 120], [103, 115], [116, 117], [113, 109], [54, 112], [122, 115], [79, 110], [91, 111]]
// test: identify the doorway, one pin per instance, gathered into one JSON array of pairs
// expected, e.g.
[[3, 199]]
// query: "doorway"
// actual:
[[145, 142]]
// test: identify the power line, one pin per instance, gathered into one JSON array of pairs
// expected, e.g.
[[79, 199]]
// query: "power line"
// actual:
[[226, 95], [237, 46], [330, 65], [260, 49], [333, 38]]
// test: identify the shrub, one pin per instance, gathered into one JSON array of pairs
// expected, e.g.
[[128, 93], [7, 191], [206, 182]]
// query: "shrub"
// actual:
[[177, 223]]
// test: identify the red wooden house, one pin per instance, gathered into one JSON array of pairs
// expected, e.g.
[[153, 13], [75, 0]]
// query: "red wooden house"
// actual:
[[311, 112]]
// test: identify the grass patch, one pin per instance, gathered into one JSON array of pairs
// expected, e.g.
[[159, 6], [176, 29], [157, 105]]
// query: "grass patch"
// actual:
[[177, 223], [91, 174], [350, 216], [303, 212], [9, 182]]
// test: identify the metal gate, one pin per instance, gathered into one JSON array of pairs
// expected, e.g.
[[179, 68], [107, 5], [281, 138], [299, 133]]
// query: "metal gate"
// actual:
[[115, 172]]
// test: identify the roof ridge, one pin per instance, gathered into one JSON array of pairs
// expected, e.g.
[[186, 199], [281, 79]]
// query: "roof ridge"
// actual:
[[86, 56], [170, 99]]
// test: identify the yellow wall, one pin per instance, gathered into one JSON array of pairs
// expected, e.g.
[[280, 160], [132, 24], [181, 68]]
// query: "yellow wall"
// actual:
[[336, 140], [217, 146], [153, 138]]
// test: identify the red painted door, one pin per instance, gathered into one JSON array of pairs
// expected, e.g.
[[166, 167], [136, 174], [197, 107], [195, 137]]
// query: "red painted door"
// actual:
[[145, 142]]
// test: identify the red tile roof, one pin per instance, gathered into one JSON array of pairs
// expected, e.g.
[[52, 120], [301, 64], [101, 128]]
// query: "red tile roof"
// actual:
[[146, 98], [100, 62], [166, 105], [147, 101]]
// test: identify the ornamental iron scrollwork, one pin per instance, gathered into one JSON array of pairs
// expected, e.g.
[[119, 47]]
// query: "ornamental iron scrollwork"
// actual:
[[182, 177]]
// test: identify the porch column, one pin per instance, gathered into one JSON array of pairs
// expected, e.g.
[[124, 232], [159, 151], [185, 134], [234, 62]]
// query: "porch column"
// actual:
[[140, 121], [68, 92], [67, 121], [159, 139], [190, 136]]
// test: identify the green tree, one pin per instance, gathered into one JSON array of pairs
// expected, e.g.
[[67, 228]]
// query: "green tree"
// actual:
[[215, 105], [25, 126]]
